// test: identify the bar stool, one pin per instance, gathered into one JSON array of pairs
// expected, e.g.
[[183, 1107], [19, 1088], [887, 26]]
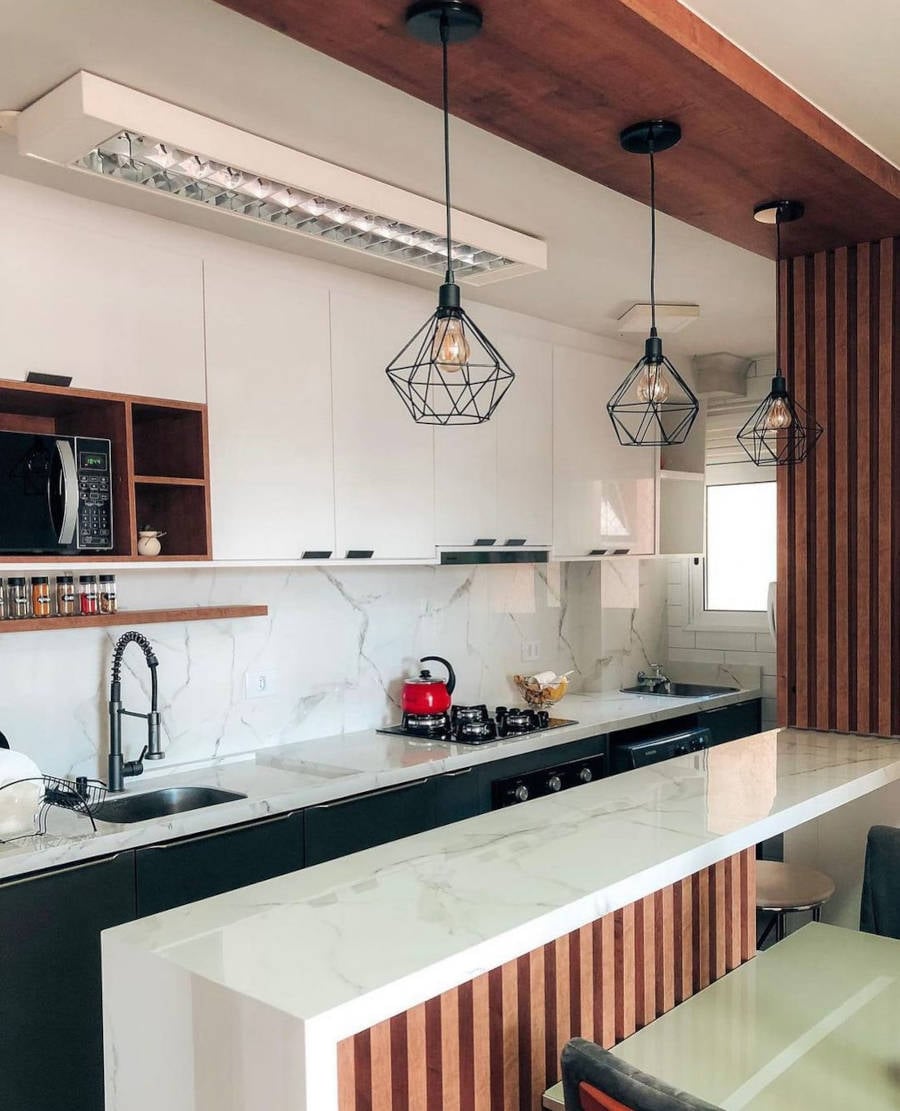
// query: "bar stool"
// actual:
[[784, 888]]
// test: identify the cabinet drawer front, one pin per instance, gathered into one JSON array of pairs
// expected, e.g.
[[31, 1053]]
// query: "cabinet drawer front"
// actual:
[[728, 723], [350, 825], [179, 872]]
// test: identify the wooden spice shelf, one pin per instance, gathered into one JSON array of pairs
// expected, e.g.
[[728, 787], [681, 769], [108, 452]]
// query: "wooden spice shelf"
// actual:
[[165, 480], [132, 617]]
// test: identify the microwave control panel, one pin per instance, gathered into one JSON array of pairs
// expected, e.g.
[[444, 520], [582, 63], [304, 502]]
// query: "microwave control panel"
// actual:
[[95, 517]]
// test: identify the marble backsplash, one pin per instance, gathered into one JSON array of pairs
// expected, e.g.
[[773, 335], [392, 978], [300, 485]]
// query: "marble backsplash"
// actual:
[[335, 649]]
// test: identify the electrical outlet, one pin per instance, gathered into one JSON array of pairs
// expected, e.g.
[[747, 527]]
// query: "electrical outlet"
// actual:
[[259, 684], [531, 651]]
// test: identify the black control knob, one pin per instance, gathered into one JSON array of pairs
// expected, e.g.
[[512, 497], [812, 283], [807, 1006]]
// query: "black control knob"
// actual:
[[543, 719], [554, 783], [585, 775], [681, 750], [520, 793]]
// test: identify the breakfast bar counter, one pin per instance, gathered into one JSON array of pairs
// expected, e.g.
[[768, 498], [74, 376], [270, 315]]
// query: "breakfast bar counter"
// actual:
[[446, 970]]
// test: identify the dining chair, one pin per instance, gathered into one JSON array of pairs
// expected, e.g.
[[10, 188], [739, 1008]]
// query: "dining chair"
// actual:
[[879, 911], [596, 1080]]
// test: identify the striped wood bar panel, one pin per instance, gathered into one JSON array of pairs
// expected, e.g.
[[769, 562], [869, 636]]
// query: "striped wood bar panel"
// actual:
[[839, 513], [493, 1044]]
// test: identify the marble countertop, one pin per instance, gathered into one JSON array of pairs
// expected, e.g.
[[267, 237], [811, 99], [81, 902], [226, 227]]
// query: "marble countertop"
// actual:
[[280, 779], [443, 907]]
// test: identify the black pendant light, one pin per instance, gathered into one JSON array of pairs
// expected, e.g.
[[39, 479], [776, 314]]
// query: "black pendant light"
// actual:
[[654, 406], [780, 432], [449, 372]]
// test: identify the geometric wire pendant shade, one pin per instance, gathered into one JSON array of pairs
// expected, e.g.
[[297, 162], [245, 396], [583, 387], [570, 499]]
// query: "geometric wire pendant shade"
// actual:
[[780, 432], [449, 372], [654, 406]]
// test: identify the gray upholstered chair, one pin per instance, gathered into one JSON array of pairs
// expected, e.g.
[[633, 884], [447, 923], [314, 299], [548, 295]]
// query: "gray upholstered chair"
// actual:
[[879, 911], [596, 1080]]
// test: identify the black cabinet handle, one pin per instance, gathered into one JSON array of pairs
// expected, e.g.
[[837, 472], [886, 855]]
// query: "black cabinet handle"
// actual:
[[369, 794], [223, 831], [80, 866], [485, 541], [360, 553], [313, 554], [456, 775]]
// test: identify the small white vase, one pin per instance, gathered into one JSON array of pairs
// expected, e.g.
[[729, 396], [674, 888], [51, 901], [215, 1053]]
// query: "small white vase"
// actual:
[[148, 543]]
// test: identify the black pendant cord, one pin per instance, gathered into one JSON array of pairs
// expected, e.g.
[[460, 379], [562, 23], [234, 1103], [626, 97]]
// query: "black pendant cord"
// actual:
[[778, 367], [652, 243], [445, 32]]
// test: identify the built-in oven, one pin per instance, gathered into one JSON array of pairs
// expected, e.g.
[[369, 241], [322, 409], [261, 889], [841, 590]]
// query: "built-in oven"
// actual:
[[628, 755], [55, 494]]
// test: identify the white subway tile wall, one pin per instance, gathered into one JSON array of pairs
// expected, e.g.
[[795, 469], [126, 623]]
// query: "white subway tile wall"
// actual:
[[735, 648]]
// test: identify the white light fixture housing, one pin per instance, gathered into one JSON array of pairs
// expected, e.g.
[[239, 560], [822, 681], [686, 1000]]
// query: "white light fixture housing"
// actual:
[[94, 125], [669, 318]]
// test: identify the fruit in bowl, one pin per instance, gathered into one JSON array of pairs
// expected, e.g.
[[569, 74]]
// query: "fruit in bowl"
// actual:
[[544, 689]]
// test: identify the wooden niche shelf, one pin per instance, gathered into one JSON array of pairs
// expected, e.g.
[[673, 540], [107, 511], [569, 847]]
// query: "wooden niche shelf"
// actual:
[[132, 617], [160, 462]]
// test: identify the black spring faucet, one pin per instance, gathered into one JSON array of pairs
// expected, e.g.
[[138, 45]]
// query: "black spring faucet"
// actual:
[[119, 768]]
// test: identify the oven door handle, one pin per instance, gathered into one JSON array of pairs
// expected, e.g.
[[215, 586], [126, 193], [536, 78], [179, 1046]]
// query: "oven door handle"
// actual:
[[68, 489]]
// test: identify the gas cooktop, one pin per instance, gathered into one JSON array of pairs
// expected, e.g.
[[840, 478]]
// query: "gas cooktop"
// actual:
[[474, 725]]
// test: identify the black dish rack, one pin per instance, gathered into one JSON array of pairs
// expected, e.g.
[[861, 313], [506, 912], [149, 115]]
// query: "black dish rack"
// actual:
[[81, 795]]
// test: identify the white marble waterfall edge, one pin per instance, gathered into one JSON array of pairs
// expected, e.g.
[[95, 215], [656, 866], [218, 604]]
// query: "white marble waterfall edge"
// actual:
[[331, 950]]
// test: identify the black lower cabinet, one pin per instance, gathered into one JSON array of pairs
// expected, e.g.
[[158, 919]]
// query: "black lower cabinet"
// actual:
[[350, 825], [728, 723], [51, 1034], [179, 872]]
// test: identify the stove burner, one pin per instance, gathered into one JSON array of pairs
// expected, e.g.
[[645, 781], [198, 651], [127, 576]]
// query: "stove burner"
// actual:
[[520, 720], [426, 723], [469, 731], [463, 715]]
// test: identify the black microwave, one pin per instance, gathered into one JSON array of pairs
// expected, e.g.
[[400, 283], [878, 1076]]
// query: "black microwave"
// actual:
[[55, 494]]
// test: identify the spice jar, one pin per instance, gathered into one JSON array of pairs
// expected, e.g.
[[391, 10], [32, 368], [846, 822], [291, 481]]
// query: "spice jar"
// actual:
[[4, 606], [108, 594], [88, 595], [40, 596], [17, 596], [65, 595]]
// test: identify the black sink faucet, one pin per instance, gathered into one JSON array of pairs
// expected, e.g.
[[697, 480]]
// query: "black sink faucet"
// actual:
[[119, 768]]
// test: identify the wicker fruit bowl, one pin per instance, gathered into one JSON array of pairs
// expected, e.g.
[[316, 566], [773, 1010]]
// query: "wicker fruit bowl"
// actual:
[[542, 690]]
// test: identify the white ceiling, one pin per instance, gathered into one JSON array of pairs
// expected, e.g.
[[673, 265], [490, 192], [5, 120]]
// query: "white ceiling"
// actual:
[[198, 54], [840, 54]]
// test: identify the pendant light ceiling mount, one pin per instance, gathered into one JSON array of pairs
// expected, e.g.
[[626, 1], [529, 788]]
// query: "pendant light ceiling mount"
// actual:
[[654, 406], [430, 20], [650, 136], [778, 212], [449, 372]]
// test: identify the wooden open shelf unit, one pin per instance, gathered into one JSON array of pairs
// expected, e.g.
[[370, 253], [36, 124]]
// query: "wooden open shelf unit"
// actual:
[[160, 462], [132, 617]]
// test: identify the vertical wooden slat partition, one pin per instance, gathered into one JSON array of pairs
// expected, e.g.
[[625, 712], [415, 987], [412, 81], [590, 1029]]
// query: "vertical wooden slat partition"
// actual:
[[839, 513], [493, 1044]]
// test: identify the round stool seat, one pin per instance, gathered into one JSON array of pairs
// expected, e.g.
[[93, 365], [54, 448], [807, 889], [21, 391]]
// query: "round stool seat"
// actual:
[[781, 887]]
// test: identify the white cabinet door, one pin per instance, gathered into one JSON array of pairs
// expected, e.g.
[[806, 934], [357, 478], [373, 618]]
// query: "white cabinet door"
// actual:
[[270, 441], [115, 314], [604, 493], [383, 460], [496, 479], [524, 422]]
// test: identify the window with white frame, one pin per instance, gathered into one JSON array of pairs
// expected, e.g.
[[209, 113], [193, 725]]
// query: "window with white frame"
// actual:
[[729, 587]]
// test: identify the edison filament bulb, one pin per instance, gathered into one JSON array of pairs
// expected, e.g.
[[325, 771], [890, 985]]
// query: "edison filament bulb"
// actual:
[[652, 385], [778, 416], [449, 347]]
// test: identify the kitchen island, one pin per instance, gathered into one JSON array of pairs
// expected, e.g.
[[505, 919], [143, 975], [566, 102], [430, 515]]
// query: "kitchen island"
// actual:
[[445, 970]]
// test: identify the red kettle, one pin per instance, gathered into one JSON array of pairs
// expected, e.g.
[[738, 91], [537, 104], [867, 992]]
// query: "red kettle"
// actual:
[[426, 695]]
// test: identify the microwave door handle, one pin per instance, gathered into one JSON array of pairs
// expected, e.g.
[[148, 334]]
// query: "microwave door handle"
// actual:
[[68, 488]]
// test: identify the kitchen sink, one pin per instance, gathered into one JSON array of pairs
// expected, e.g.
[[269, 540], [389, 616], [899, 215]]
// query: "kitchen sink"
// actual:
[[160, 804], [681, 690]]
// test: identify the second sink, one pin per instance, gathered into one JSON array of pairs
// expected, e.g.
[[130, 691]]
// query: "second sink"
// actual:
[[682, 690], [162, 803]]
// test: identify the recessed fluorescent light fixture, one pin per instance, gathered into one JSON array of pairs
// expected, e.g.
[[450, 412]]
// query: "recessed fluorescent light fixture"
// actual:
[[669, 318], [98, 126]]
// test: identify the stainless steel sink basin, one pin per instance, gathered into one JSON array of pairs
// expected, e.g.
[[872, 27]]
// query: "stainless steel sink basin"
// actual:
[[681, 690], [159, 804]]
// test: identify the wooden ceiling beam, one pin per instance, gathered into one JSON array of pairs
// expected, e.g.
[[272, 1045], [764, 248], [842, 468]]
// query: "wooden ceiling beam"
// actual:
[[562, 79]]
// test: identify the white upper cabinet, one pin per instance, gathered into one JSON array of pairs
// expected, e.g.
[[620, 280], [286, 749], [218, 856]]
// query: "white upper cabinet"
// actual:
[[604, 493], [116, 314], [383, 460], [494, 480], [269, 383]]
